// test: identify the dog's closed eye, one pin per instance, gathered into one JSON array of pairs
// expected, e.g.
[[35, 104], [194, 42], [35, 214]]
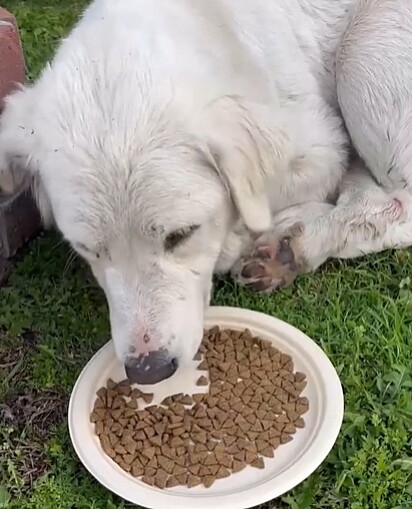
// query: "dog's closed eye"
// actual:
[[177, 237]]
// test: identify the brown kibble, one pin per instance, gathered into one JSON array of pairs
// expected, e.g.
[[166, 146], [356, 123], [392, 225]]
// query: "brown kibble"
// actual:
[[150, 432], [202, 381], [147, 397], [199, 448], [128, 458], [136, 394], [132, 404], [274, 442], [153, 463], [194, 469], [250, 457], [166, 463], [96, 416], [98, 403], [258, 463], [203, 366], [222, 473], [289, 428], [148, 480], [200, 437], [119, 449], [149, 453], [251, 406], [229, 440], [124, 390], [167, 402], [225, 459], [99, 427], [113, 439], [187, 400], [161, 478], [267, 452], [220, 448], [156, 440], [301, 409], [211, 459], [208, 481], [198, 356], [182, 478], [110, 384], [204, 471], [172, 482], [150, 472], [179, 469], [238, 466], [299, 377], [193, 480], [137, 471], [102, 394], [125, 467], [180, 451], [176, 442]]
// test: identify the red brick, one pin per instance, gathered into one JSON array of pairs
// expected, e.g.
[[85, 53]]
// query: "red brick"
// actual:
[[19, 221], [6, 267], [19, 218], [12, 69]]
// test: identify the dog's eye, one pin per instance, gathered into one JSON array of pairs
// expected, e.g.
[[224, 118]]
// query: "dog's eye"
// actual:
[[174, 239]]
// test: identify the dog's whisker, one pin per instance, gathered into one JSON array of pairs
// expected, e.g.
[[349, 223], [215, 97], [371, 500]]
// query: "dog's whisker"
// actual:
[[69, 263]]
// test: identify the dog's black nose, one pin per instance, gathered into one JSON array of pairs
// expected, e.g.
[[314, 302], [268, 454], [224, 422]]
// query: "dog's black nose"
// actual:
[[151, 368]]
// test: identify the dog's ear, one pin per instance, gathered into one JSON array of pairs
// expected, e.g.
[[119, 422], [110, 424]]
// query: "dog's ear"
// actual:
[[18, 166], [247, 149]]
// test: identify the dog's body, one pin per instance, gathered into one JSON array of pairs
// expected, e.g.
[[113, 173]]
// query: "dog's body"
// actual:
[[172, 139]]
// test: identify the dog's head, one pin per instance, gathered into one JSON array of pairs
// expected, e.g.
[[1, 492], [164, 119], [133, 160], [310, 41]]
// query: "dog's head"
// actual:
[[146, 199]]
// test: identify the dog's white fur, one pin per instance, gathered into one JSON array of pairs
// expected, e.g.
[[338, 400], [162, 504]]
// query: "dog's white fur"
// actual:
[[162, 115]]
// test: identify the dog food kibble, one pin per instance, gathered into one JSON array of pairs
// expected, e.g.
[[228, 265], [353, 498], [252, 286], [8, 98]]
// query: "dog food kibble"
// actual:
[[252, 407]]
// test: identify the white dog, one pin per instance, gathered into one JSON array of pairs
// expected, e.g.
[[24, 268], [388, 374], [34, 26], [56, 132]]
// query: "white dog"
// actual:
[[172, 139]]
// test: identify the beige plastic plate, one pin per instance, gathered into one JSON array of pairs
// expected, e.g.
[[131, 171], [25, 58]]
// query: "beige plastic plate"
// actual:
[[293, 462]]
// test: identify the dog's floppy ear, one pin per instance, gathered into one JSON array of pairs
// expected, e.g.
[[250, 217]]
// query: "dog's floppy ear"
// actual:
[[18, 167], [246, 149]]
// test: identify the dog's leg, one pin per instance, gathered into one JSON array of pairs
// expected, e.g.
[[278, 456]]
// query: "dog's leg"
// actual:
[[365, 219], [374, 82], [374, 85]]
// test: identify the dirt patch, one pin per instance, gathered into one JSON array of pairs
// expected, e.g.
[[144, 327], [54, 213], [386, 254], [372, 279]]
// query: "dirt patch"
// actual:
[[9, 357], [22, 462], [15, 358], [26, 420], [35, 411]]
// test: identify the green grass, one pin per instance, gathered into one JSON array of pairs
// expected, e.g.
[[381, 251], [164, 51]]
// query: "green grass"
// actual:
[[53, 317]]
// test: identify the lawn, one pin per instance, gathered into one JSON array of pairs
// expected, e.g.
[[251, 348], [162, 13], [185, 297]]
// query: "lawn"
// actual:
[[53, 317]]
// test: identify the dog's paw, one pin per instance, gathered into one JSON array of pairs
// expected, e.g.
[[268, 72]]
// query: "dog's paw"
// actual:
[[273, 263]]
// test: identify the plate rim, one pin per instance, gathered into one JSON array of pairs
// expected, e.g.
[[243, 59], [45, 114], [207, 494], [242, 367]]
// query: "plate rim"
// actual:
[[303, 468]]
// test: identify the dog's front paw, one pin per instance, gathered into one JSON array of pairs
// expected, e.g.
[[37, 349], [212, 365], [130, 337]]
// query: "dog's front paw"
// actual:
[[273, 263]]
